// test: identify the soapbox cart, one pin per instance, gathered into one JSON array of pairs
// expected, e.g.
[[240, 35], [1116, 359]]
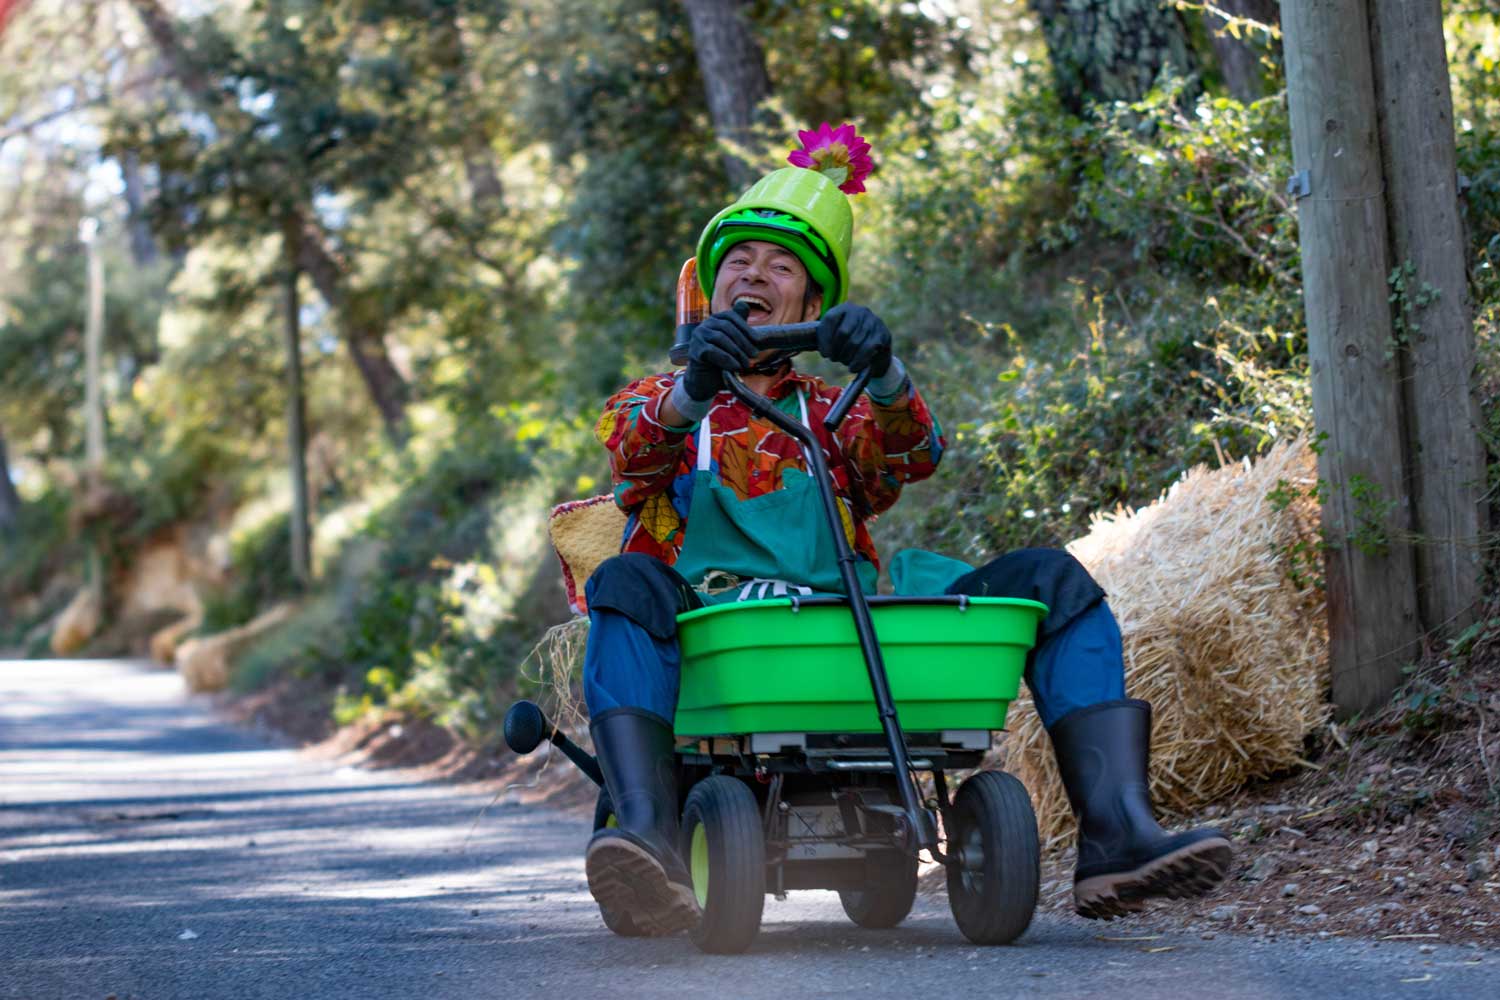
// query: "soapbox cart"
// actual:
[[817, 738]]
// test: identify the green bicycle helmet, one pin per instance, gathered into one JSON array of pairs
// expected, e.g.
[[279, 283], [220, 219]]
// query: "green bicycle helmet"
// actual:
[[799, 209]]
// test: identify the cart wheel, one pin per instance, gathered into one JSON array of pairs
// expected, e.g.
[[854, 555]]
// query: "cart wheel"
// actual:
[[994, 871], [725, 849], [620, 923], [886, 902]]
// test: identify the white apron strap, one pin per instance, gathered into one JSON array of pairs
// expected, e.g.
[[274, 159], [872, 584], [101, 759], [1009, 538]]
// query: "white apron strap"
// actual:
[[705, 434], [705, 442]]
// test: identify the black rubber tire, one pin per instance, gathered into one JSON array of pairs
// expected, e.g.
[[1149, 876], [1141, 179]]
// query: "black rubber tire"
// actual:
[[993, 895], [734, 849], [620, 923], [887, 902]]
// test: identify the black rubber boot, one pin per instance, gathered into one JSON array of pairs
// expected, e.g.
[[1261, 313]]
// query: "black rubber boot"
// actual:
[[634, 868], [1124, 856]]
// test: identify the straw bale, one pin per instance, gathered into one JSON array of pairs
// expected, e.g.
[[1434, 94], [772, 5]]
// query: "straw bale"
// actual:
[[164, 643], [205, 662], [77, 623], [1230, 650]]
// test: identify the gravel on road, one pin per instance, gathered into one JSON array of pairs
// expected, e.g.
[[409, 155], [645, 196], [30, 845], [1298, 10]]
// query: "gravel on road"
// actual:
[[150, 850]]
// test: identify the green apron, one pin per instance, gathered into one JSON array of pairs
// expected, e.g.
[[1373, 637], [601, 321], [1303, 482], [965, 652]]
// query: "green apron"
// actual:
[[773, 545]]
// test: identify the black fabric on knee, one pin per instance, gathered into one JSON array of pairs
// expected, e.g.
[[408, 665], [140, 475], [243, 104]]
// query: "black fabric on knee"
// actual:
[[1051, 576], [643, 589]]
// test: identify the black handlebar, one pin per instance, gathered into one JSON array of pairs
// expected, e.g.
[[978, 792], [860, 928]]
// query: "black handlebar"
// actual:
[[851, 396], [919, 831], [526, 728], [783, 337]]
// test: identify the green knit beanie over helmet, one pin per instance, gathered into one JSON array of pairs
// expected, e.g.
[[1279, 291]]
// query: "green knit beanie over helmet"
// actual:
[[804, 208]]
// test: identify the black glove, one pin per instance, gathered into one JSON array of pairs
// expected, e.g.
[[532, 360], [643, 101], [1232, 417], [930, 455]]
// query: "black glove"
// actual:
[[856, 338], [720, 343]]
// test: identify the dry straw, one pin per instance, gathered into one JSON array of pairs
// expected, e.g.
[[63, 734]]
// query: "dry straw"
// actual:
[[557, 674], [1223, 640]]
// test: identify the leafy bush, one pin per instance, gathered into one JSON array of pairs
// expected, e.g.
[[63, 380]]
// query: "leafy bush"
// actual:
[[459, 588], [41, 530], [260, 572], [1092, 323], [37, 548]]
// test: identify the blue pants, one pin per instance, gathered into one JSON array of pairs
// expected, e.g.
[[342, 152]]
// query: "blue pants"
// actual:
[[632, 659]]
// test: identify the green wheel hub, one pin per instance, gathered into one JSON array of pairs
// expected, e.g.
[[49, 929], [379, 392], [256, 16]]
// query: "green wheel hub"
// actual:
[[699, 863]]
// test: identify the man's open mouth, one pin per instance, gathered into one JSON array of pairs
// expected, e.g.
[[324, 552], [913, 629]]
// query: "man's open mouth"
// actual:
[[760, 309]]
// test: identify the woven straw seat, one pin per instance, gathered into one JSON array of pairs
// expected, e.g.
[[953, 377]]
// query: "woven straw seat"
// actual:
[[585, 533]]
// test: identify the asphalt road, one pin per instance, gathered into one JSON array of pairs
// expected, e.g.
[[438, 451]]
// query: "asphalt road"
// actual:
[[149, 850]]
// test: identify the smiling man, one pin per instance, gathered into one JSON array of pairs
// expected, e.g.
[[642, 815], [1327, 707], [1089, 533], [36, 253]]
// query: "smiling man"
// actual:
[[721, 508]]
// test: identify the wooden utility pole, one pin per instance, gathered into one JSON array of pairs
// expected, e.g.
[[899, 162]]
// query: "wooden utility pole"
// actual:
[[93, 390], [93, 348], [1373, 621], [296, 412], [1435, 324]]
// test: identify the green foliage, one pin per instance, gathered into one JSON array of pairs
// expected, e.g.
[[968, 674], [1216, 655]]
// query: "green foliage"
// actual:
[[291, 648], [1372, 512], [437, 623], [1091, 304], [38, 548], [1131, 324], [1434, 699], [1406, 303], [1303, 559], [871, 58], [260, 572], [42, 345]]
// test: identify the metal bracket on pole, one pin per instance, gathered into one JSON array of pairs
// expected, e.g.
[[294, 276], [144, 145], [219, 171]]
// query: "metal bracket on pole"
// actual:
[[1299, 185]]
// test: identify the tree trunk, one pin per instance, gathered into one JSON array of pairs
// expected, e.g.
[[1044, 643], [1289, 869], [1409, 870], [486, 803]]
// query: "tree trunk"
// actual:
[[1433, 318], [733, 68], [1239, 57], [142, 242], [296, 410], [486, 193], [174, 51], [1371, 579], [10, 501], [93, 353], [362, 331], [1111, 50]]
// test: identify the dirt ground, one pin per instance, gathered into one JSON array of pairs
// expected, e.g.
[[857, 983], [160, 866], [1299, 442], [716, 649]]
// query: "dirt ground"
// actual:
[[1393, 833], [301, 711]]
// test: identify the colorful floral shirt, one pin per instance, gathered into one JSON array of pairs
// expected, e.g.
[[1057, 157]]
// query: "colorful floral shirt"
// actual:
[[879, 448]]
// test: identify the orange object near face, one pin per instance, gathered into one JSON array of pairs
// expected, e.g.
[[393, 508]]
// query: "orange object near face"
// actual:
[[692, 307]]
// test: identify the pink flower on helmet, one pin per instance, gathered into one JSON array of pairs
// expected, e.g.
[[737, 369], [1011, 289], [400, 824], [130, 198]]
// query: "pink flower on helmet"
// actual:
[[837, 153]]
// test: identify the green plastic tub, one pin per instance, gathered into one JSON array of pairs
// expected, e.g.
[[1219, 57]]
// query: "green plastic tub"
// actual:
[[767, 666]]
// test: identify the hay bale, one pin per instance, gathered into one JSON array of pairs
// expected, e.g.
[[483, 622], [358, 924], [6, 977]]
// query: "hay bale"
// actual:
[[204, 663], [77, 623], [1228, 647], [164, 643]]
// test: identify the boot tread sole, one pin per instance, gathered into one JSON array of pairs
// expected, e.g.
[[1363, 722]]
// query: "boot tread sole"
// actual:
[[1187, 872], [626, 879]]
